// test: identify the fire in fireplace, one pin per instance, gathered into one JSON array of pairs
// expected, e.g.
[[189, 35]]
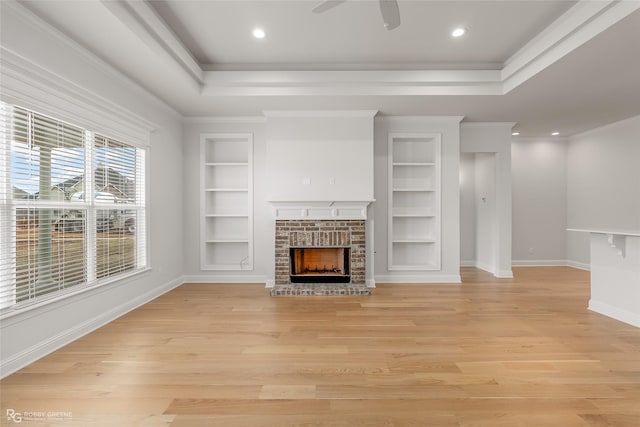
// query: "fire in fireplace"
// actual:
[[320, 265]]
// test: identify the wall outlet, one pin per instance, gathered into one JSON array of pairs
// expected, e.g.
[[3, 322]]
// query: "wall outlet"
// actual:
[[306, 181], [532, 251], [332, 180]]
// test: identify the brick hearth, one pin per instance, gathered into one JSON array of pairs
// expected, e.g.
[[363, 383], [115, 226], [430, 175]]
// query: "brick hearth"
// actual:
[[320, 233]]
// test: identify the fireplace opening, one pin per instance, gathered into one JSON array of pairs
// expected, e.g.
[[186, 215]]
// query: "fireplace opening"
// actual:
[[320, 265]]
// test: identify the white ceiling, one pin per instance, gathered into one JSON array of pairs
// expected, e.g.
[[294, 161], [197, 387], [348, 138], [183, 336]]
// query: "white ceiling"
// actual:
[[547, 65]]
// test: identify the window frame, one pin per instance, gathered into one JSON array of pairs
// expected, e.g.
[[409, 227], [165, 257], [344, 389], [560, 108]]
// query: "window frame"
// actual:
[[9, 206]]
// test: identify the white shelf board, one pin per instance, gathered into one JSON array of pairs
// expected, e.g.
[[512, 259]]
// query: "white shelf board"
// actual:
[[218, 215], [413, 241], [423, 190], [413, 164]]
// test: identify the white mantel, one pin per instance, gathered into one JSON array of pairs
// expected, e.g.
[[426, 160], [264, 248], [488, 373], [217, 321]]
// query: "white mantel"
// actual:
[[346, 210]]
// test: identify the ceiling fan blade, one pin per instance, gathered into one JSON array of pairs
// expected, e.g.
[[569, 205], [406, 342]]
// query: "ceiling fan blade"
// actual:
[[326, 5], [390, 13]]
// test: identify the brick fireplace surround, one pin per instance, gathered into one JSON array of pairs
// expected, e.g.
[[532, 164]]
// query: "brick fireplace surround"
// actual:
[[318, 234]]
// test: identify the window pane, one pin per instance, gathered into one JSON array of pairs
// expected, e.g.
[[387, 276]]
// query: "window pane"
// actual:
[[47, 158], [48, 260], [115, 169], [115, 243]]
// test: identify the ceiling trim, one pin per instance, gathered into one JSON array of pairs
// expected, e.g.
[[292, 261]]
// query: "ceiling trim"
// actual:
[[575, 27], [582, 22], [26, 84], [320, 113], [323, 83], [224, 119], [145, 23]]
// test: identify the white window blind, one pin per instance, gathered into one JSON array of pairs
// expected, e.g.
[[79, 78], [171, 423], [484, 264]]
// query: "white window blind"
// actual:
[[73, 207]]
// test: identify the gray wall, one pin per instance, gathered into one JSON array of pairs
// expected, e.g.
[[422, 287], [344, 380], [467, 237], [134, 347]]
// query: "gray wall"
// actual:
[[30, 334], [539, 177], [603, 183]]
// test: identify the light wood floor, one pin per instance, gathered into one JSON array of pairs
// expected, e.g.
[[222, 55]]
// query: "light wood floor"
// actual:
[[522, 352]]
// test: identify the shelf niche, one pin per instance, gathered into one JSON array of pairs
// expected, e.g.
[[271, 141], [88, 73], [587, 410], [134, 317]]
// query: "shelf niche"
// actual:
[[414, 202], [226, 187]]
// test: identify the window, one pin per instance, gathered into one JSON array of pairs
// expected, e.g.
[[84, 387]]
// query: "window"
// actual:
[[72, 205]]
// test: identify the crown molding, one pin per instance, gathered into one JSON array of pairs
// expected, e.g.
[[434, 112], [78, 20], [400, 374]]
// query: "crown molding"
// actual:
[[224, 119], [575, 27], [25, 83], [25, 15], [417, 119], [144, 21], [348, 82], [320, 113]]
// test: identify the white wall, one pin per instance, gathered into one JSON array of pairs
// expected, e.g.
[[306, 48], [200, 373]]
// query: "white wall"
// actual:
[[449, 128], [495, 138], [603, 183], [263, 217], [30, 334], [467, 209], [320, 156], [486, 212], [539, 173]]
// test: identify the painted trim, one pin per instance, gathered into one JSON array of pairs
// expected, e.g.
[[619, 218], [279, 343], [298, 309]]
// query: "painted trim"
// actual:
[[540, 263], [26, 84], [371, 283], [419, 279], [578, 265], [224, 119], [616, 313], [320, 113], [504, 274], [225, 279], [32, 19], [18, 361]]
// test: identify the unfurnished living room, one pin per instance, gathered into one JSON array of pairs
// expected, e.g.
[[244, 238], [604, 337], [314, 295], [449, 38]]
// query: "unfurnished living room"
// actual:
[[320, 213]]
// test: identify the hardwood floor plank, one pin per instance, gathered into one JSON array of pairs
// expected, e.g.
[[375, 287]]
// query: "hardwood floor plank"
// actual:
[[487, 352]]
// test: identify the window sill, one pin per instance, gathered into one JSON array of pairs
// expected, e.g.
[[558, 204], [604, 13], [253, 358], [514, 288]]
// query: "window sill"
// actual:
[[65, 297]]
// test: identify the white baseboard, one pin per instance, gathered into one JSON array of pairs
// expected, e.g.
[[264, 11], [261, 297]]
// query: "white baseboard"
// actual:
[[371, 283], [485, 267], [539, 263], [579, 265], [436, 278], [467, 263], [19, 360], [504, 274], [625, 316], [220, 279]]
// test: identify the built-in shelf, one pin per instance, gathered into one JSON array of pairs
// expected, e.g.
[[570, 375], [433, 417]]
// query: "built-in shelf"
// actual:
[[226, 229], [414, 202]]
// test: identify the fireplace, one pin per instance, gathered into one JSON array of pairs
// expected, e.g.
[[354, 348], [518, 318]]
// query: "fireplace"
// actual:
[[320, 251], [320, 265]]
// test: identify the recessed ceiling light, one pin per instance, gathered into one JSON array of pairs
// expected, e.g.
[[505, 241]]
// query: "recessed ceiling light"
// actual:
[[515, 133], [259, 33], [555, 134], [458, 32]]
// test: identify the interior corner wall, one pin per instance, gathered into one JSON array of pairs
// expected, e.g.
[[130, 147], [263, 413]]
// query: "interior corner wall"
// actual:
[[495, 138], [449, 128], [30, 334], [263, 217], [467, 210], [539, 173], [603, 184], [485, 201]]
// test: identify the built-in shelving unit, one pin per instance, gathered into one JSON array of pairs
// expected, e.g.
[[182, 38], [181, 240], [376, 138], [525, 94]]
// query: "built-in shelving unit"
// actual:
[[226, 183], [414, 202]]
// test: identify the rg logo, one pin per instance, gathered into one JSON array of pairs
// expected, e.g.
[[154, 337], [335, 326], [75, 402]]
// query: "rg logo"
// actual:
[[14, 416]]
